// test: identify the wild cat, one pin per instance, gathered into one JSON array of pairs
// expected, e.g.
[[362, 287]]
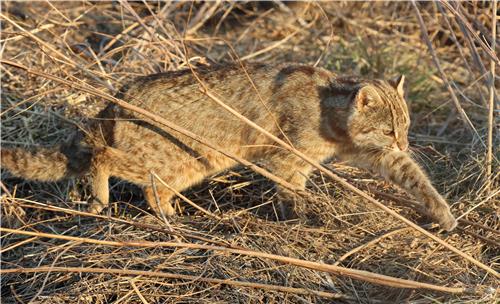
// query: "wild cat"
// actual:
[[320, 113]]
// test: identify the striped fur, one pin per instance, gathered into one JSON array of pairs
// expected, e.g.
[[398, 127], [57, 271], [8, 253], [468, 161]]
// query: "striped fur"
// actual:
[[318, 112]]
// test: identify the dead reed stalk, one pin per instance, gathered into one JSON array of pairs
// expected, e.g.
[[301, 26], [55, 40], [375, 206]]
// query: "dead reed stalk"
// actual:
[[352, 273]]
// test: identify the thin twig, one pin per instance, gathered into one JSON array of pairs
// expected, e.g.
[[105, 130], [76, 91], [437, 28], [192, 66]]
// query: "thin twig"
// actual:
[[187, 200], [485, 239], [489, 51], [480, 226], [272, 46], [423, 29], [491, 103], [139, 294], [127, 222], [370, 243], [130, 272], [352, 273]]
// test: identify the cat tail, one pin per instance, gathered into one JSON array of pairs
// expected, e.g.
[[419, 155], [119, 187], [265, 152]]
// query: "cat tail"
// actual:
[[47, 164]]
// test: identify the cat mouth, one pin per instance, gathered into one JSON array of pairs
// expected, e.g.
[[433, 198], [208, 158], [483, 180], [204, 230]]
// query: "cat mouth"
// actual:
[[395, 147]]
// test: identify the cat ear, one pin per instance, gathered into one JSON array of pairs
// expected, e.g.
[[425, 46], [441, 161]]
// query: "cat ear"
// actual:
[[399, 84], [366, 97]]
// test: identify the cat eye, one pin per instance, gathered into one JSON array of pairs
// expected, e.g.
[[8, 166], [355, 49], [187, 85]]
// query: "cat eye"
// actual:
[[388, 132]]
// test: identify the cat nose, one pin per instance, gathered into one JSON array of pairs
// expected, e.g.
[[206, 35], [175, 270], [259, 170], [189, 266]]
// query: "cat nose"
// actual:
[[403, 145]]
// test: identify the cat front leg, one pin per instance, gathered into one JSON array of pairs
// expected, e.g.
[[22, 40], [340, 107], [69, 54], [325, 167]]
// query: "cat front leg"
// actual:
[[399, 168]]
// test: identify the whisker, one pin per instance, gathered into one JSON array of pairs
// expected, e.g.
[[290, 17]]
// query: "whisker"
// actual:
[[420, 157]]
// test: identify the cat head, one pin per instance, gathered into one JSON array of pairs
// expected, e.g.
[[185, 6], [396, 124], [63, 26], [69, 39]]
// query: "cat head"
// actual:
[[379, 116]]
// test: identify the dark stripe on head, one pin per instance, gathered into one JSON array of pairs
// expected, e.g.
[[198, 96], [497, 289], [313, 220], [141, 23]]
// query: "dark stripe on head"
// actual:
[[289, 70], [390, 97]]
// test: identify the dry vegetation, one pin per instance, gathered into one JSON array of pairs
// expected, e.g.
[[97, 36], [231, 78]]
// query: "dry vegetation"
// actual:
[[74, 257]]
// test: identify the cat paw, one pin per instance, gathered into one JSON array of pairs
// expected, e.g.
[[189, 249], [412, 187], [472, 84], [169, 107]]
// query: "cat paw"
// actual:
[[443, 216], [449, 223], [95, 206], [165, 209]]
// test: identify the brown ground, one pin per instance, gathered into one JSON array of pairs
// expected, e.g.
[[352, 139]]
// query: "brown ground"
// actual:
[[104, 44]]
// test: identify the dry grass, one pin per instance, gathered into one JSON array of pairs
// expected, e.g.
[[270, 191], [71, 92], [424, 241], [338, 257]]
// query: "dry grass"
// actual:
[[79, 258]]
